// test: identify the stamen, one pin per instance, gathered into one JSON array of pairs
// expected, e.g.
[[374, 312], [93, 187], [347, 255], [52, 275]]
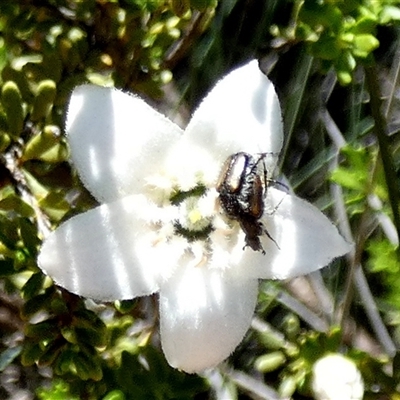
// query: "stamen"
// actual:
[[192, 235], [179, 196]]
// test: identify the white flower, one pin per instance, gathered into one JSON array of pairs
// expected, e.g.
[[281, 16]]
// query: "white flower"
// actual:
[[144, 238], [336, 377]]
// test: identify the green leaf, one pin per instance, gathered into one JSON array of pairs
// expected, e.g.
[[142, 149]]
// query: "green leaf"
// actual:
[[37, 189], [65, 361], [316, 13], [51, 353], [327, 48], [93, 337], [270, 362], [30, 353], [350, 179], [344, 65], [37, 303], [69, 334], [383, 257], [344, 76], [70, 54], [364, 25], [3, 121], [55, 205], [33, 286], [12, 103], [272, 339], [46, 93], [354, 174], [291, 326], [41, 143], [125, 306], [364, 44], [59, 390], [16, 204], [58, 306], [90, 329], [46, 330], [114, 395], [29, 235], [56, 154], [389, 13], [287, 387], [4, 139], [9, 234], [333, 339], [11, 74], [50, 67], [87, 367]]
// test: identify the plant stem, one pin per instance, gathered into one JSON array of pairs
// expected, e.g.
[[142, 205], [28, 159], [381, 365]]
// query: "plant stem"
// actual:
[[383, 141]]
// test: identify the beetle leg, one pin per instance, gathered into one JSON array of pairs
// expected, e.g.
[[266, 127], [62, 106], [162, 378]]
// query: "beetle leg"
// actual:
[[277, 206], [271, 238]]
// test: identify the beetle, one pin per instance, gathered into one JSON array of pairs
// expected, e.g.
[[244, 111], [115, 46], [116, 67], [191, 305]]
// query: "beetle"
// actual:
[[242, 192]]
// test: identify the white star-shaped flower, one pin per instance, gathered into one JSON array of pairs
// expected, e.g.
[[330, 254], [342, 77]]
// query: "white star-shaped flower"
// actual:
[[161, 227]]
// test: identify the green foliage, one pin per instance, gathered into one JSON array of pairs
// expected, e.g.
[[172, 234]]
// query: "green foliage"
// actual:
[[383, 258], [340, 33], [383, 262], [356, 173], [147, 377], [296, 357], [112, 351], [362, 176], [135, 381], [11, 101], [59, 390], [83, 350]]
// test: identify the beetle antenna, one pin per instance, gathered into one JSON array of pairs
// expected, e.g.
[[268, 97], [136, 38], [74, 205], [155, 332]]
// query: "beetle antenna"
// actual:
[[271, 238], [278, 183]]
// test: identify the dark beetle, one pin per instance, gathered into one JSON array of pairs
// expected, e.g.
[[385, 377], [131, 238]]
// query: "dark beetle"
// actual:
[[242, 193]]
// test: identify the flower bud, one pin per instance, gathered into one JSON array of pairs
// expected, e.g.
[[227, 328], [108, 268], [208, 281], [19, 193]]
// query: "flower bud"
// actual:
[[336, 377]]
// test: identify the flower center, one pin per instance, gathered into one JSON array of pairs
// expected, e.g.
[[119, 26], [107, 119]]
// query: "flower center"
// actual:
[[195, 213]]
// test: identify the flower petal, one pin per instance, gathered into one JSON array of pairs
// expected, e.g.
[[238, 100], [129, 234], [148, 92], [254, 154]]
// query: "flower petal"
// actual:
[[190, 165], [306, 238], [109, 253], [241, 113], [116, 140], [204, 316]]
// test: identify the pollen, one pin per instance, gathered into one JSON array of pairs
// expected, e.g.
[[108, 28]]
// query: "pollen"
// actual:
[[192, 216], [195, 216]]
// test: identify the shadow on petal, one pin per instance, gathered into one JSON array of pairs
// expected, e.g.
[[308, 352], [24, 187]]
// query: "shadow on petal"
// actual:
[[116, 140], [101, 254], [204, 316], [307, 240]]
